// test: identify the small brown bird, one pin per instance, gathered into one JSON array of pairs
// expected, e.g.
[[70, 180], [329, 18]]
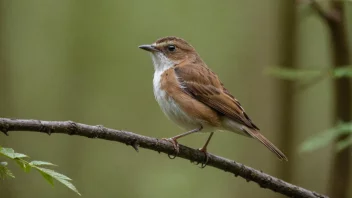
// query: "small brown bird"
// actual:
[[192, 96]]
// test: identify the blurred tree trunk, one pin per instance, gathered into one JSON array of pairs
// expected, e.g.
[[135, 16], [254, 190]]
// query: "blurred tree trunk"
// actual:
[[340, 172], [287, 56], [5, 89]]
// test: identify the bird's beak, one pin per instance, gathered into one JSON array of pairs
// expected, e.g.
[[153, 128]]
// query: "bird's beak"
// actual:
[[149, 48]]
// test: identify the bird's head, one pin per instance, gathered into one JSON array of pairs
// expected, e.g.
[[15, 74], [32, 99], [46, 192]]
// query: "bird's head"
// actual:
[[169, 51]]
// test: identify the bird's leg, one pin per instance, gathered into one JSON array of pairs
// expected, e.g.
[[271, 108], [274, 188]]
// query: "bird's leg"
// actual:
[[174, 142], [204, 150]]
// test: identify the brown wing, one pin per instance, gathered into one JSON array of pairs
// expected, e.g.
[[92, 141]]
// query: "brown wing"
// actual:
[[204, 85], [201, 83]]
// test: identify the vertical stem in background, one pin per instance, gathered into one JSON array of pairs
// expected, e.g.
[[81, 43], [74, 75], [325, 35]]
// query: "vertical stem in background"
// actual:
[[286, 106], [340, 172]]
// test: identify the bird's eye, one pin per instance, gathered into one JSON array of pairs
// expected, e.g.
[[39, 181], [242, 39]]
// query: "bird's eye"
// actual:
[[171, 48]]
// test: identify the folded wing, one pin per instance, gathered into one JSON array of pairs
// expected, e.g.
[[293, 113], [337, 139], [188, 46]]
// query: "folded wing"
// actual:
[[201, 83]]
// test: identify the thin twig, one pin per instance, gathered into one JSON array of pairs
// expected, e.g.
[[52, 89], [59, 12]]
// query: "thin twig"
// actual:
[[330, 16], [72, 128]]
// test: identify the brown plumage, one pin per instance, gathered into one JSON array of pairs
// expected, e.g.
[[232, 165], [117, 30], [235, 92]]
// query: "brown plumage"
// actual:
[[194, 108], [204, 85], [198, 92]]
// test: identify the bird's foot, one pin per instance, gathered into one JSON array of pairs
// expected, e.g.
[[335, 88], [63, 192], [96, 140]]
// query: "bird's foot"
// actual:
[[205, 162], [176, 147]]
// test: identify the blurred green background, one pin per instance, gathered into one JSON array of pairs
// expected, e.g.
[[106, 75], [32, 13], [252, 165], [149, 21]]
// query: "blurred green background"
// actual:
[[79, 60]]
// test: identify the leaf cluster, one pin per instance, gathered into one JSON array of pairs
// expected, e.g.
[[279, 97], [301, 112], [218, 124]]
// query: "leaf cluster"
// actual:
[[48, 174]]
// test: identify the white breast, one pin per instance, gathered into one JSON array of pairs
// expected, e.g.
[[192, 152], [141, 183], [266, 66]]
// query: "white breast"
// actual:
[[167, 104]]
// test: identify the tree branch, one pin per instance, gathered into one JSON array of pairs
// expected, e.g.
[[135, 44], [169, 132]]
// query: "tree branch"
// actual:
[[136, 140]]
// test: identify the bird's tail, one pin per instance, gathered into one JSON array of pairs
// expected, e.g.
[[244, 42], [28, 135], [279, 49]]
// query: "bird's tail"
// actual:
[[256, 134]]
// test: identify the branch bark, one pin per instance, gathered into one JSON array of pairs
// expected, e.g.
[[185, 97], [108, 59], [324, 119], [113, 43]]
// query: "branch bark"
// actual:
[[135, 140]]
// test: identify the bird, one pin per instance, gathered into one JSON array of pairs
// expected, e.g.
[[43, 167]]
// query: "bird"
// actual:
[[192, 95]]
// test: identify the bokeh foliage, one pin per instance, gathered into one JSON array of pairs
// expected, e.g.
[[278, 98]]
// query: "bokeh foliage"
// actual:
[[328, 136]]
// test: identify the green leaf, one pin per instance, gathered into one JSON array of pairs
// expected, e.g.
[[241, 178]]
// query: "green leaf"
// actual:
[[48, 173], [4, 171], [54, 174], [69, 185], [304, 74], [292, 74], [326, 137], [47, 177], [344, 144], [10, 153], [345, 71], [41, 163], [19, 155]]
